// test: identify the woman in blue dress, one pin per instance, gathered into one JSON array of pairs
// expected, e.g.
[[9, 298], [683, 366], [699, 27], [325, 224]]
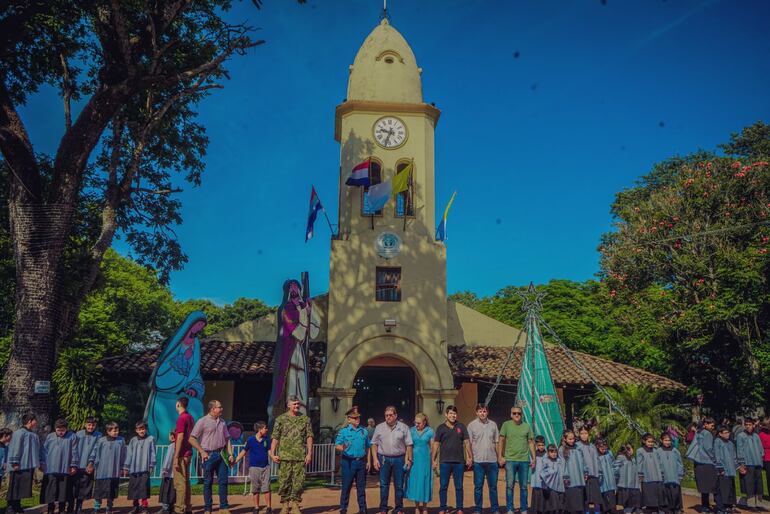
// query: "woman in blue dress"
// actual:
[[419, 486]]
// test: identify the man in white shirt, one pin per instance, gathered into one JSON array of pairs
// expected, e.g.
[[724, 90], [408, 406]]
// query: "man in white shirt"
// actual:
[[484, 435], [392, 455]]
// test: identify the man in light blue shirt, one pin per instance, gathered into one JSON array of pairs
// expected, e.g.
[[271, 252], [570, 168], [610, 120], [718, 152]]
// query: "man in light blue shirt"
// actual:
[[353, 443]]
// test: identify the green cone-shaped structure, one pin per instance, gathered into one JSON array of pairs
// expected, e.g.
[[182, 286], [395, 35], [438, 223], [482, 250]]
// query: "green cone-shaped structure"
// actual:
[[536, 394]]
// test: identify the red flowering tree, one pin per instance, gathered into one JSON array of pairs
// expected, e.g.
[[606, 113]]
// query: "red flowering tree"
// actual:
[[695, 235]]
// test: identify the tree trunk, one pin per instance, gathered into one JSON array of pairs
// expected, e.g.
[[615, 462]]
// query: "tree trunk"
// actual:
[[39, 232]]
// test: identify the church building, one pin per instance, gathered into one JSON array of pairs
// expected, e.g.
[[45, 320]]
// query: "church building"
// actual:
[[389, 334]]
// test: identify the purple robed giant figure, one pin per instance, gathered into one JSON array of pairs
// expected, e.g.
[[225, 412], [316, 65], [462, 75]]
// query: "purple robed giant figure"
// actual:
[[297, 323]]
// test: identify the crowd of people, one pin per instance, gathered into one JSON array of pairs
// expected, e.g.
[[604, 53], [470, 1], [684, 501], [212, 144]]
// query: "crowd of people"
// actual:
[[83, 465], [581, 475]]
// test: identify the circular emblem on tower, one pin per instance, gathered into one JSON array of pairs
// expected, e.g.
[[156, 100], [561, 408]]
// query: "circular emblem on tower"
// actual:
[[388, 245]]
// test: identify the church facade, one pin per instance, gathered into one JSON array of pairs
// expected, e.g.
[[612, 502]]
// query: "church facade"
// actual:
[[388, 335]]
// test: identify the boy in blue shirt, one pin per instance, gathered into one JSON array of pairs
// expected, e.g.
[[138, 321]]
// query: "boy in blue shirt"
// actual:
[[258, 449]]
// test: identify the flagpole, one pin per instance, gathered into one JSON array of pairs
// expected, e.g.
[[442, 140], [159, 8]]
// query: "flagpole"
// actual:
[[328, 221], [409, 193], [369, 172]]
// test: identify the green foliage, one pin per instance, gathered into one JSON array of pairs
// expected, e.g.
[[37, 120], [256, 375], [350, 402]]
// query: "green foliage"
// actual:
[[646, 406], [78, 385], [692, 244], [585, 319], [223, 317], [129, 309]]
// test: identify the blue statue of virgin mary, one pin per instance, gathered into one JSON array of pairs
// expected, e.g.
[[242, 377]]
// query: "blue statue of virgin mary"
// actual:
[[177, 373]]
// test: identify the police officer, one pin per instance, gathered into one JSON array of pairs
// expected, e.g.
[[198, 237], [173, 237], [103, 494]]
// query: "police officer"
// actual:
[[353, 443]]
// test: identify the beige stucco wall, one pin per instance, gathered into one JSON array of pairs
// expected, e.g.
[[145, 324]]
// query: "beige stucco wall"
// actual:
[[264, 329], [467, 326]]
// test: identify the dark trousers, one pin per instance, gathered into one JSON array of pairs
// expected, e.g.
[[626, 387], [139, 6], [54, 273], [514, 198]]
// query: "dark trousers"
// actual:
[[353, 470], [454, 469], [215, 464], [391, 468], [488, 471]]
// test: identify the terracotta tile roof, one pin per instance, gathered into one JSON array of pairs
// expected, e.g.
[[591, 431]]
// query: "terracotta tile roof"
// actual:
[[474, 362], [484, 363], [217, 358]]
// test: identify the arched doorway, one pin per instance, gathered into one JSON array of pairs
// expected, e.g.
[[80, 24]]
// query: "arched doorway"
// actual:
[[385, 381]]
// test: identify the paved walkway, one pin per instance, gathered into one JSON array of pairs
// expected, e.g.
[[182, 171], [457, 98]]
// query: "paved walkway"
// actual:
[[326, 500]]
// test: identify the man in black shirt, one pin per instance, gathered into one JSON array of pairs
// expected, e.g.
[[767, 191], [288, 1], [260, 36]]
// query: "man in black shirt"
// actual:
[[454, 455]]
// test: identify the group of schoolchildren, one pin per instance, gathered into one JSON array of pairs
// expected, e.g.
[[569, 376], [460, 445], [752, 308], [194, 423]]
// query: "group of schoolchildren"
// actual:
[[79, 466], [581, 476], [718, 460]]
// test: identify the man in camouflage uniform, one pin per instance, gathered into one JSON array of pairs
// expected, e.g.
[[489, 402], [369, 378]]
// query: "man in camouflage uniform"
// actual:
[[292, 448]]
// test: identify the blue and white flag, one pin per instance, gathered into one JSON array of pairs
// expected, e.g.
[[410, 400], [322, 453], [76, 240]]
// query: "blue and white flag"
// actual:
[[315, 206], [378, 195]]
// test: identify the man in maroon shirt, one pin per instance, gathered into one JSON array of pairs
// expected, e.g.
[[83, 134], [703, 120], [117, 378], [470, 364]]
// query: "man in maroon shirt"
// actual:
[[182, 456]]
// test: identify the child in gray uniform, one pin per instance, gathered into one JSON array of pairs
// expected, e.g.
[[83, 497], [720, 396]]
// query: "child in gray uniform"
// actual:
[[673, 471], [627, 479], [83, 481], [650, 468], [140, 461], [23, 459], [552, 474], [727, 467], [106, 463], [60, 457], [167, 495], [750, 456]]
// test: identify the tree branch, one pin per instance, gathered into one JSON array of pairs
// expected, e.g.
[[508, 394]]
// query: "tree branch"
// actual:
[[18, 153], [66, 88]]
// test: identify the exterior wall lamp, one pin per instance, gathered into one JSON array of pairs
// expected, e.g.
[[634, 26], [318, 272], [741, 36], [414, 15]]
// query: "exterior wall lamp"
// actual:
[[440, 405], [335, 403]]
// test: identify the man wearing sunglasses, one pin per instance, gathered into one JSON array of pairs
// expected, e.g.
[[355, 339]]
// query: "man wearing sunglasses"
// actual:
[[517, 447]]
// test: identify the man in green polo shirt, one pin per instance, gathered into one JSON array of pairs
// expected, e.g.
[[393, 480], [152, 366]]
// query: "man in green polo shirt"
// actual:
[[517, 448]]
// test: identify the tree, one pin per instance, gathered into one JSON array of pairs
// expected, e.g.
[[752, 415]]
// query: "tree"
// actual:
[[138, 69], [128, 309], [585, 319], [220, 318], [646, 406], [694, 235]]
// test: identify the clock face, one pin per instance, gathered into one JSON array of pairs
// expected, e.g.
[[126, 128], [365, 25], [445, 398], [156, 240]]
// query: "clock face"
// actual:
[[389, 132]]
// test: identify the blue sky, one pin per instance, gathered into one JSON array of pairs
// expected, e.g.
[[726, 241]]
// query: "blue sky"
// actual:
[[548, 109]]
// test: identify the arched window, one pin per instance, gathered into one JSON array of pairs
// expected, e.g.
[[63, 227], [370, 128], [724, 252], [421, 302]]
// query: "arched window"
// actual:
[[375, 177], [405, 199]]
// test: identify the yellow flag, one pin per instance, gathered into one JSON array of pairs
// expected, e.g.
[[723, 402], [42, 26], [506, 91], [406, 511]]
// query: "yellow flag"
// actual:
[[400, 182]]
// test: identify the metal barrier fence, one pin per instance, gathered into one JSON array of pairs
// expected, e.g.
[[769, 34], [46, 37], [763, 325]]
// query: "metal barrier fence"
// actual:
[[323, 463]]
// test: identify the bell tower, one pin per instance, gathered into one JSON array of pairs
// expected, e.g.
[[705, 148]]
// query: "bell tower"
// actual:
[[387, 282]]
